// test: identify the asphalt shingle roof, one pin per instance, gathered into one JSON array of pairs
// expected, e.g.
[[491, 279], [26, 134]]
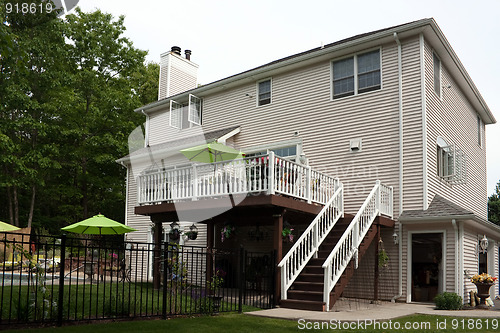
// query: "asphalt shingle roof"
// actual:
[[439, 207]]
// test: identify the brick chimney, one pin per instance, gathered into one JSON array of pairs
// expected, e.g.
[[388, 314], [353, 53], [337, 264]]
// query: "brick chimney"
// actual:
[[177, 74]]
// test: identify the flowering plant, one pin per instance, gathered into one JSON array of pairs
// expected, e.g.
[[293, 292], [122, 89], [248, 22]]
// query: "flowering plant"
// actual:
[[217, 279], [226, 232], [113, 255], [287, 234], [483, 278]]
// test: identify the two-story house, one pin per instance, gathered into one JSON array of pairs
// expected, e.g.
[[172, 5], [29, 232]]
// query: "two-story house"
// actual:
[[369, 144]]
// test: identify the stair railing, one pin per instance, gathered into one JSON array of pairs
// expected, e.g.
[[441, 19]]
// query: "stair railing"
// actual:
[[378, 202], [308, 243]]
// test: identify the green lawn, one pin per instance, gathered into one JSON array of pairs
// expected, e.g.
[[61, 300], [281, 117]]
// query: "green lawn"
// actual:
[[244, 323], [106, 300]]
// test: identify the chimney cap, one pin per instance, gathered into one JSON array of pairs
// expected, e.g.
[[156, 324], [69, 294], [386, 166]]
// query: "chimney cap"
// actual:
[[188, 54], [176, 50]]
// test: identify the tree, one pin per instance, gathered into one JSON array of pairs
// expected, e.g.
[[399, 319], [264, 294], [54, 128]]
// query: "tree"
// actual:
[[67, 94], [494, 206], [101, 111], [32, 82]]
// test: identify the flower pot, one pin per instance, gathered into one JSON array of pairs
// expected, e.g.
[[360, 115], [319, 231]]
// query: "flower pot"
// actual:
[[192, 235], [483, 292]]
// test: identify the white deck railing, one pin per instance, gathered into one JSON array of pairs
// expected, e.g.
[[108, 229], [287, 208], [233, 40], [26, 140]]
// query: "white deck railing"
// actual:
[[307, 245], [266, 173], [378, 202]]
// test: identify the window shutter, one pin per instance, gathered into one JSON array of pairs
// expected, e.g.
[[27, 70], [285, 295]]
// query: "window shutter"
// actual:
[[194, 110], [175, 115]]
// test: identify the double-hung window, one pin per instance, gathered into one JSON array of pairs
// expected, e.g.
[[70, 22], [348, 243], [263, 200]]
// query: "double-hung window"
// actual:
[[264, 95], [357, 74]]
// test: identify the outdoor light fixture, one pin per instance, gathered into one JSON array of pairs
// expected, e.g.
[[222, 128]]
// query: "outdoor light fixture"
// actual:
[[395, 237], [483, 244], [174, 226]]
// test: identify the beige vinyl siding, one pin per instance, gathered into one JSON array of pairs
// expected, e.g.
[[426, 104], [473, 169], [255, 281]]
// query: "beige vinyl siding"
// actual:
[[302, 102], [176, 75], [471, 264], [453, 118], [412, 127]]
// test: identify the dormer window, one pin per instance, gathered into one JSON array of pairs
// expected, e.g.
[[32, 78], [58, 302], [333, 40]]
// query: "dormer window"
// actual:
[[186, 115]]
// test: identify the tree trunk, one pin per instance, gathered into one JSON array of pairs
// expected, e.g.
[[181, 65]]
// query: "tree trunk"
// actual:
[[16, 206], [85, 198], [32, 206], [11, 209]]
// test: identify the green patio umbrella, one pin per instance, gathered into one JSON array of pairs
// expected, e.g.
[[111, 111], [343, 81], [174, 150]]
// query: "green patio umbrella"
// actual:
[[212, 152], [98, 225], [5, 227]]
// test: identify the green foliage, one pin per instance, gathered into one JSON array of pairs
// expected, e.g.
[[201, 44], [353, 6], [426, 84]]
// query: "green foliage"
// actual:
[[448, 301], [383, 258], [494, 206], [67, 94]]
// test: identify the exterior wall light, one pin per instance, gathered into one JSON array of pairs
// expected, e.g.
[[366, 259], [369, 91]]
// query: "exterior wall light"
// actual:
[[483, 244]]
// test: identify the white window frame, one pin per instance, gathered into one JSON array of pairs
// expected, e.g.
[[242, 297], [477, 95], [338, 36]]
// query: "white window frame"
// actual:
[[270, 91], [355, 75], [451, 163], [186, 115], [437, 85], [195, 110], [175, 119]]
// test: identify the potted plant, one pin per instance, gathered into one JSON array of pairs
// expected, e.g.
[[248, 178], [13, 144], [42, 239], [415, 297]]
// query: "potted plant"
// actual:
[[192, 234], [483, 284], [214, 285], [227, 231], [287, 234]]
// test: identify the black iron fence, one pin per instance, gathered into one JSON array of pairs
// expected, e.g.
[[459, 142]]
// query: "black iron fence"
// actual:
[[53, 280]]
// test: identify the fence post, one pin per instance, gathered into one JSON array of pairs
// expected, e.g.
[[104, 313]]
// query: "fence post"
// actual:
[[61, 281], [165, 278], [242, 280]]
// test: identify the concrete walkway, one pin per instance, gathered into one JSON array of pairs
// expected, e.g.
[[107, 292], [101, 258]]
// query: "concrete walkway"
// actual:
[[379, 312]]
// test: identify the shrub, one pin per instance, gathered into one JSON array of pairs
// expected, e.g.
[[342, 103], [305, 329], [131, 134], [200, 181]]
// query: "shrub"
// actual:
[[448, 301]]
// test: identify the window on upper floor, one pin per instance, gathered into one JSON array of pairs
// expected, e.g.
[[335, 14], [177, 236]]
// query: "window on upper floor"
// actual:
[[356, 74], [437, 74], [451, 163], [264, 88], [185, 115]]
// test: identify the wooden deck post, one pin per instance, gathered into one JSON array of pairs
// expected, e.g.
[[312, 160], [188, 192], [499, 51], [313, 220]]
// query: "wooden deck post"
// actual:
[[278, 246], [157, 239], [210, 249], [376, 272]]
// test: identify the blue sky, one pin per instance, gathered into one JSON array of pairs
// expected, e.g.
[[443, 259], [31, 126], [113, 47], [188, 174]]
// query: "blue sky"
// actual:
[[228, 37]]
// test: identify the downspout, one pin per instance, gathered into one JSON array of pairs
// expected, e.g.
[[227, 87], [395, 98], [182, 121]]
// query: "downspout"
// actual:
[[146, 129], [400, 229], [457, 257]]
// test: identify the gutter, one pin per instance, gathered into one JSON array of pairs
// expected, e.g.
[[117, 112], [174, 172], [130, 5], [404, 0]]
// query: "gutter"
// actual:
[[400, 228]]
